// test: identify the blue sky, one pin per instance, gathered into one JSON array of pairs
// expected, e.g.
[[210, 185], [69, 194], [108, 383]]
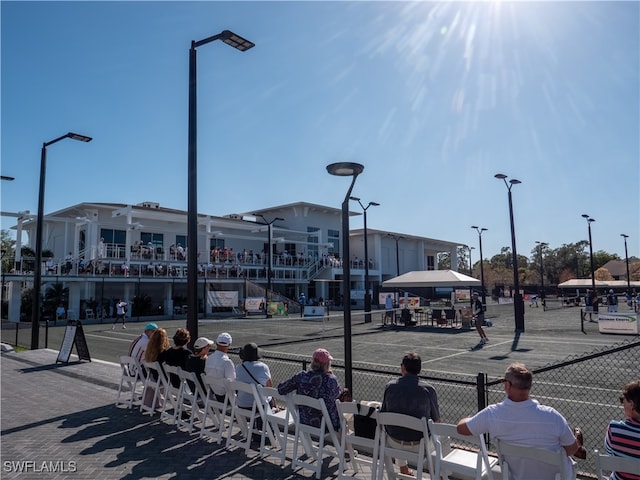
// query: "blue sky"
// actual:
[[434, 98]]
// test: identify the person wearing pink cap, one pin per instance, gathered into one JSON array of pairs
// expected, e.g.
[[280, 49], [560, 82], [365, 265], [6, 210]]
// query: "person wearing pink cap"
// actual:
[[318, 382]]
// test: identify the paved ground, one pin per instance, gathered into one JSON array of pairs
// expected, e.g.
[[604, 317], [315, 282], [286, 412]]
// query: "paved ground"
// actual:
[[63, 418]]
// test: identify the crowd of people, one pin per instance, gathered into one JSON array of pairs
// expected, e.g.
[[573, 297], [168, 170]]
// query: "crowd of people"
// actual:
[[518, 419]]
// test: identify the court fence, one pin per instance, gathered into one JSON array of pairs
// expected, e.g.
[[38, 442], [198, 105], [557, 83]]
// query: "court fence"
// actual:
[[585, 389]]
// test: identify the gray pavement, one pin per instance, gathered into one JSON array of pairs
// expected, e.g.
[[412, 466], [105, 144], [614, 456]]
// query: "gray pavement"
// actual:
[[60, 422]]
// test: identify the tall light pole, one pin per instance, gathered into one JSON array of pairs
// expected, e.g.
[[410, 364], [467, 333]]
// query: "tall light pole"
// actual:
[[346, 169], [484, 295], [367, 293], [541, 245], [518, 303], [269, 255], [626, 258], [241, 44], [37, 270], [593, 274], [397, 238]]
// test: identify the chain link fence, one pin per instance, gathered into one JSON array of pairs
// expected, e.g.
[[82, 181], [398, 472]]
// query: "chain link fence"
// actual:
[[584, 389]]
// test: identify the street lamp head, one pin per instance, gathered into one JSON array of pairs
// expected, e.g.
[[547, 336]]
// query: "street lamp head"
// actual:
[[514, 181], [345, 169], [374, 204], [624, 235], [236, 41], [80, 138], [355, 199], [278, 218], [5, 177], [501, 176]]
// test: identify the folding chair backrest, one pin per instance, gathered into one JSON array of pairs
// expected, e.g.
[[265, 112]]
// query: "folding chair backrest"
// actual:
[[214, 410], [153, 383], [461, 462], [243, 418], [350, 441], [421, 455], [536, 459], [277, 426], [172, 393], [130, 379], [190, 394], [312, 438], [610, 463]]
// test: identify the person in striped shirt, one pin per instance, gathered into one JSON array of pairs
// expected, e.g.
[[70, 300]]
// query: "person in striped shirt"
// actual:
[[623, 436]]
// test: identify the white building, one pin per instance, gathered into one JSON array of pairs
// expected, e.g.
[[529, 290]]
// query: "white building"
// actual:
[[138, 253]]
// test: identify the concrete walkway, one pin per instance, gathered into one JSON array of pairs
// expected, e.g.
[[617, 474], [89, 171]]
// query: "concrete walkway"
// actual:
[[60, 422]]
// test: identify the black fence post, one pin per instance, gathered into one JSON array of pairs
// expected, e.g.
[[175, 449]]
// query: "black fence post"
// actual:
[[481, 388]]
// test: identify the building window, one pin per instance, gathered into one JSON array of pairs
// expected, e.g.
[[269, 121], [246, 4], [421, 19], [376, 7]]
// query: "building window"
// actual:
[[213, 243], [333, 238], [313, 239], [431, 262], [156, 239], [181, 240], [118, 237]]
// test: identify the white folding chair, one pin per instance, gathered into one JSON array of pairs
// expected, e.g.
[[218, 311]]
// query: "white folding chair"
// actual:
[[191, 395], [353, 444], [537, 460], [173, 386], [277, 425], [460, 462], [153, 386], [609, 463], [313, 439], [131, 379], [243, 418], [214, 410], [384, 453]]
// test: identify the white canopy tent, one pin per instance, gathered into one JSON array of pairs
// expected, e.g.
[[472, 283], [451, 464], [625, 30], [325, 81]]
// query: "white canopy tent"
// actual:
[[586, 283], [432, 278]]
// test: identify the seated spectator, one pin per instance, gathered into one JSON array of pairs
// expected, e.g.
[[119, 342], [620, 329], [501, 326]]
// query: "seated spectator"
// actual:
[[125, 269], [318, 382], [219, 365], [158, 343], [139, 344], [623, 436], [251, 370], [177, 355], [523, 421], [51, 267], [180, 252], [60, 312], [410, 396], [198, 359]]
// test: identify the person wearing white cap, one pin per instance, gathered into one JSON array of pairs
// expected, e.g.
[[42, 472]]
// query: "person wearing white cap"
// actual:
[[219, 365], [612, 302]]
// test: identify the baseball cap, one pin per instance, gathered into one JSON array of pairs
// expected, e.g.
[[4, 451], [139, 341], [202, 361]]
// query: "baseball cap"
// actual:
[[475, 294], [322, 356], [150, 326], [224, 339], [611, 290], [202, 342]]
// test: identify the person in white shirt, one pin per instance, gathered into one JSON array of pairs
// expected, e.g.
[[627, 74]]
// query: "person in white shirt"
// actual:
[[139, 345], [121, 313], [520, 420], [219, 365]]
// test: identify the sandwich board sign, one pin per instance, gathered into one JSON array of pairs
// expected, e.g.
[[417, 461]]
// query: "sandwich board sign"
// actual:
[[73, 335]]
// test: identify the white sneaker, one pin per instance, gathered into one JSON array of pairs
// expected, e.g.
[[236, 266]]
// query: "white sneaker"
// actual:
[[124, 326], [484, 340], [113, 327]]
